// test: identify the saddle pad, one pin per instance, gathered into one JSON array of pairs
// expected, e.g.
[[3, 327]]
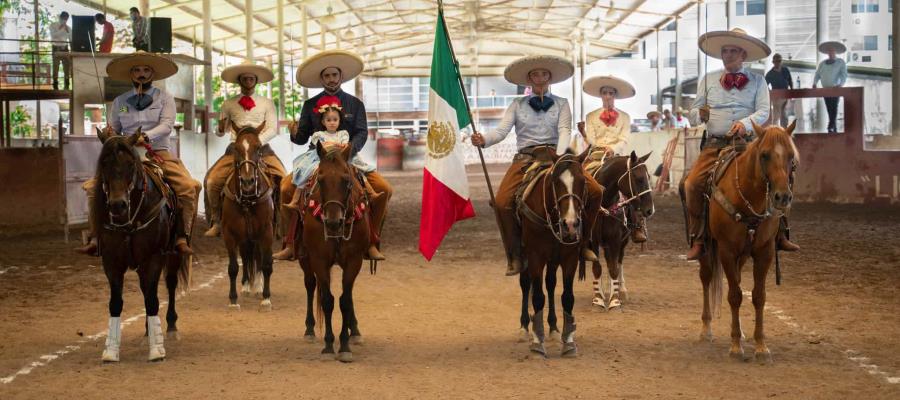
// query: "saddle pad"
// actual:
[[533, 173], [726, 156], [155, 173]]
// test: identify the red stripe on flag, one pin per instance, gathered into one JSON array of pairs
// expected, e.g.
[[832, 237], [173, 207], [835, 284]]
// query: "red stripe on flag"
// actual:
[[441, 207]]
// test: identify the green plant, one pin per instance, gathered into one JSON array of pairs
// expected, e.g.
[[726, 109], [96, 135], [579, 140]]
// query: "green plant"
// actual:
[[20, 121]]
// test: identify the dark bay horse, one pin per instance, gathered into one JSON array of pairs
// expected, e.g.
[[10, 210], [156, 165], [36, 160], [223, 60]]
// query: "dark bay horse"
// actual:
[[743, 224], [136, 221], [247, 215], [627, 184], [335, 231], [552, 215]]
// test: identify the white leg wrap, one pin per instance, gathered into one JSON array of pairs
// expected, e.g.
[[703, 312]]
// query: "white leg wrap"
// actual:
[[155, 338], [258, 283], [113, 340]]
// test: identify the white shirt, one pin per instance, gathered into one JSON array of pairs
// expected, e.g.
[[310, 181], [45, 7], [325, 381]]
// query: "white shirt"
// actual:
[[325, 137], [60, 33], [684, 123], [157, 121], [551, 127], [615, 137], [264, 110]]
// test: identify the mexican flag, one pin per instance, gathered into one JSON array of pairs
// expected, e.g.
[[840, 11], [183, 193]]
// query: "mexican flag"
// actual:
[[445, 189]]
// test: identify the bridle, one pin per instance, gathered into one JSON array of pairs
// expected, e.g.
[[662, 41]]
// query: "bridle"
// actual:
[[250, 198], [344, 206], [628, 173], [554, 211], [138, 177]]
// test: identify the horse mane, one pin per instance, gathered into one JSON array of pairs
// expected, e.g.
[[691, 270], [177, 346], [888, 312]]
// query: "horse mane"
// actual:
[[332, 152]]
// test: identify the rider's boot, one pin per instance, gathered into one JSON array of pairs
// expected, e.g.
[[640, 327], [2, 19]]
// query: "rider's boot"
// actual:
[[784, 233], [296, 200], [696, 251], [90, 248], [215, 216], [287, 252]]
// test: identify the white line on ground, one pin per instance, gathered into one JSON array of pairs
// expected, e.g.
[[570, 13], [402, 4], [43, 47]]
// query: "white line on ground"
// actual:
[[47, 358], [852, 355], [4, 270]]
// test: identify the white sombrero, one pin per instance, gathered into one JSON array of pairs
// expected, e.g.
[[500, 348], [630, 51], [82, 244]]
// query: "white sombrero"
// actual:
[[120, 68], [654, 112], [517, 71], [350, 64], [711, 43], [593, 85], [232, 73], [837, 46]]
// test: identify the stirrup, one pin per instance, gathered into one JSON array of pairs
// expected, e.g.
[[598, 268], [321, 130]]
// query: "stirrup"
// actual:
[[214, 230], [182, 246], [286, 254], [374, 254], [514, 267]]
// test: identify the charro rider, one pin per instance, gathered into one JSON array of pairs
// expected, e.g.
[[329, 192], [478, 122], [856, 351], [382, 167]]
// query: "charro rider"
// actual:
[[153, 111], [328, 70], [727, 101], [607, 128], [540, 119], [246, 109]]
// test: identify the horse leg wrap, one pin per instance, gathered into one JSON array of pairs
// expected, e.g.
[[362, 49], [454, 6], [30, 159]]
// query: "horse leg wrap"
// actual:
[[537, 327], [568, 333], [599, 298], [155, 338], [113, 340], [614, 293]]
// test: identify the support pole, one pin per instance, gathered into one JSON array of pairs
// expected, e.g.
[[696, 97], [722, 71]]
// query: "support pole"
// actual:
[[770, 29], [677, 102], [659, 100], [37, 62], [207, 76], [281, 94], [729, 14], [701, 29], [821, 36], [584, 45], [895, 83], [248, 30], [304, 40]]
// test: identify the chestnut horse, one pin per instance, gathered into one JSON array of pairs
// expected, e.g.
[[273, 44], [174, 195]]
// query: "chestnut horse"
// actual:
[[335, 231], [552, 238], [136, 225], [627, 184], [247, 215], [743, 224]]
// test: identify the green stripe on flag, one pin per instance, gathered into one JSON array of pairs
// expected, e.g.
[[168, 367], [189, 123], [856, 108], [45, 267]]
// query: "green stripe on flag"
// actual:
[[444, 76]]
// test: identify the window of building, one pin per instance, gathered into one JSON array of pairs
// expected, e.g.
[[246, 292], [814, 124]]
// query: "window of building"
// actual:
[[866, 58], [866, 6], [872, 6], [890, 42], [870, 42], [750, 7]]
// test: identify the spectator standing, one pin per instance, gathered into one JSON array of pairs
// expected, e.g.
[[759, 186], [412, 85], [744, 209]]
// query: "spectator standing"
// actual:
[[140, 28], [61, 35], [106, 41], [779, 77]]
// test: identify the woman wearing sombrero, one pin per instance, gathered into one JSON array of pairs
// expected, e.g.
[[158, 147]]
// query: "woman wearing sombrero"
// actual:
[[607, 128], [833, 73], [541, 119]]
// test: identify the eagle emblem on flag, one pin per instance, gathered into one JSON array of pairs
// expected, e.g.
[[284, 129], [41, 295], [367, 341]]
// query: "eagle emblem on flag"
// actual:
[[441, 139]]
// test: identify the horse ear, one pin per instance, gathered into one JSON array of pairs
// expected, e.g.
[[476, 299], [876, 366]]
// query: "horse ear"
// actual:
[[584, 155], [133, 139], [790, 129], [234, 126], [101, 134], [320, 149], [633, 157], [261, 126], [644, 158], [760, 131]]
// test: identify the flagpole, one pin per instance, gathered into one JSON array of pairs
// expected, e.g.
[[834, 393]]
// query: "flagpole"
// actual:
[[462, 86]]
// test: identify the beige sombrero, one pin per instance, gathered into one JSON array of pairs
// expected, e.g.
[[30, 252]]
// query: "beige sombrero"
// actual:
[[654, 112], [711, 43], [837, 46], [350, 64], [232, 73], [593, 85], [517, 71], [120, 68]]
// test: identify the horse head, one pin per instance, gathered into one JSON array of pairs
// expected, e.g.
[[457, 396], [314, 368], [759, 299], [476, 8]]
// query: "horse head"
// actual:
[[566, 195], [118, 170], [776, 158], [336, 186], [634, 184], [247, 158]]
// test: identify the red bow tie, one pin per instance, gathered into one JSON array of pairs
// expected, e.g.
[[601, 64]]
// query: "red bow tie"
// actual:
[[609, 117], [734, 80], [247, 103]]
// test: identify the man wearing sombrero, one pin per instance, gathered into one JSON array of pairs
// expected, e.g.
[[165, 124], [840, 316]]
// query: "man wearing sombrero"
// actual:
[[153, 111], [728, 101], [541, 119], [833, 73], [328, 70], [655, 118], [245, 109], [607, 128]]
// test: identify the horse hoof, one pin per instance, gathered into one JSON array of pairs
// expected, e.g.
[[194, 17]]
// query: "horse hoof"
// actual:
[[538, 348], [523, 336], [614, 303], [156, 355], [763, 357], [309, 338], [737, 355], [110, 356], [265, 305], [345, 357], [234, 307], [173, 335], [599, 302], [356, 340], [706, 337], [569, 350], [327, 355]]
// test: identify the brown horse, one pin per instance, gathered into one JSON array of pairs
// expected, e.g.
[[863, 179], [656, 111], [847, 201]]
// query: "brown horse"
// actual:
[[743, 223], [552, 238], [627, 184], [136, 224], [247, 215], [335, 231]]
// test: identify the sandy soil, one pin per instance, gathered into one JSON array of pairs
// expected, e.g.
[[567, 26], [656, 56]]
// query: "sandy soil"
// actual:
[[448, 329]]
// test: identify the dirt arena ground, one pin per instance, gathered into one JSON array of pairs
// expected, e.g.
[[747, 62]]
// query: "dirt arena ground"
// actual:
[[448, 329]]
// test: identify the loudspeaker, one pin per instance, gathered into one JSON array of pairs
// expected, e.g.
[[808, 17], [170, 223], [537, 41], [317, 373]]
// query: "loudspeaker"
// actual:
[[82, 33], [160, 35]]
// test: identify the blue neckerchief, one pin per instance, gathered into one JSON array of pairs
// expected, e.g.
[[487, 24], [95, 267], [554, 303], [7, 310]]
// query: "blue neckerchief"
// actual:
[[537, 105], [829, 62], [140, 101]]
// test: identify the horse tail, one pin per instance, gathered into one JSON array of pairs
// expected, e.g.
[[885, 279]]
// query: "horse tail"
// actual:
[[185, 268], [716, 286], [581, 268], [320, 311]]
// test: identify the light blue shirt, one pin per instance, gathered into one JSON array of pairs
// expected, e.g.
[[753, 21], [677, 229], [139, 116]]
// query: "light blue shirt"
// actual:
[[727, 106], [831, 75], [157, 120], [551, 127]]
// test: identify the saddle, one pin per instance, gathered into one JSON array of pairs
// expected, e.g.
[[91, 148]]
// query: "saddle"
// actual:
[[536, 163]]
